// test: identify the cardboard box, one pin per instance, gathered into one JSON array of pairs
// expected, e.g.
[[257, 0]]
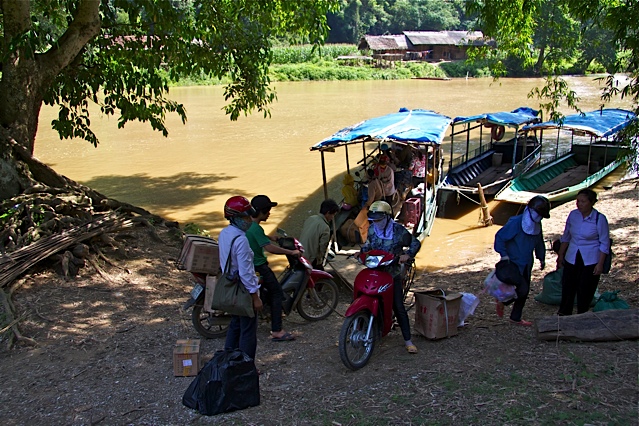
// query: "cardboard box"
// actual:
[[437, 313], [199, 254], [186, 357]]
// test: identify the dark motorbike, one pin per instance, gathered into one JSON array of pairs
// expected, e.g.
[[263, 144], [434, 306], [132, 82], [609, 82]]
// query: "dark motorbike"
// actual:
[[370, 316], [312, 292]]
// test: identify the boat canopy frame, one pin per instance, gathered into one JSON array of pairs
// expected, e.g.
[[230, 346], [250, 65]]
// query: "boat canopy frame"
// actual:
[[517, 119], [599, 125], [417, 128]]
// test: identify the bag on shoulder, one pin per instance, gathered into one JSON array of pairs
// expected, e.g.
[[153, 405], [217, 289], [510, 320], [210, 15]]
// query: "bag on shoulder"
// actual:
[[230, 295], [228, 382], [608, 261]]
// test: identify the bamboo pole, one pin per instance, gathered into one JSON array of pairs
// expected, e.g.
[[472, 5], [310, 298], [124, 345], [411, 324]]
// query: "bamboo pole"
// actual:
[[486, 218]]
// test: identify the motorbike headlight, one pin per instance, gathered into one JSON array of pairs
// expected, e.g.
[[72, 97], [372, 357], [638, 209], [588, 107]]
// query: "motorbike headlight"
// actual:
[[373, 261]]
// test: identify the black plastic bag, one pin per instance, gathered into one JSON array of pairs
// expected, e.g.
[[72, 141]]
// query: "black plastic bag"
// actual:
[[228, 382], [508, 273]]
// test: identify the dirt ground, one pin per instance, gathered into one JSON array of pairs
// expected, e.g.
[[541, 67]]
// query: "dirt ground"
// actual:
[[104, 352]]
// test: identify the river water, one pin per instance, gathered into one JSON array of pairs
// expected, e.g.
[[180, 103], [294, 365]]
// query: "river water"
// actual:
[[189, 175]]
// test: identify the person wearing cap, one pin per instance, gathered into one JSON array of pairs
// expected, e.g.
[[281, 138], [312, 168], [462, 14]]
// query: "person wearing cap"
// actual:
[[516, 242], [389, 152], [390, 236], [316, 233], [259, 242]]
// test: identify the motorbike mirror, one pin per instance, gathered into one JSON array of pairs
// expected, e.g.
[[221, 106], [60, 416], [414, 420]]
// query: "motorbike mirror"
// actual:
[[281, 232]]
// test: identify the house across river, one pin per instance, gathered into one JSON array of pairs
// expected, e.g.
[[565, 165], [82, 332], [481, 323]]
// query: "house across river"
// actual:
[[423, 45]]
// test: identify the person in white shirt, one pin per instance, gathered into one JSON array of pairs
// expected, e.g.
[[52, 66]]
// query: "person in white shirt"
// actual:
[[584, 246]]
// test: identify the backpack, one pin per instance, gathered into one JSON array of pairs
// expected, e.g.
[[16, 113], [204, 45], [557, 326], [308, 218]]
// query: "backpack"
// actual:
[[608, 261]]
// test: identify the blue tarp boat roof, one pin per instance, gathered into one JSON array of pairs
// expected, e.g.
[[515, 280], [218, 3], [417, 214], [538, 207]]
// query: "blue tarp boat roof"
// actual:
[[415, 126], [515, 118], [599, 123]]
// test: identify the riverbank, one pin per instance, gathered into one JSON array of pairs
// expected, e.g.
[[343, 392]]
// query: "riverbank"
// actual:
[[104, 353]]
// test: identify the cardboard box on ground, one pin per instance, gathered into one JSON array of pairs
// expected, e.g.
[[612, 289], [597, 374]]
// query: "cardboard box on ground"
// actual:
[[437, 313], [186, 357], [199, 254]]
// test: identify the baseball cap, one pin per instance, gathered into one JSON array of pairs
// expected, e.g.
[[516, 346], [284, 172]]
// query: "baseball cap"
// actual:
[[262, 202]]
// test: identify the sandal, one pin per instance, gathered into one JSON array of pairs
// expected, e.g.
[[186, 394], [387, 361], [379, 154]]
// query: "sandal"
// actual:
[[412, 349], [499, 307], [286, 337], [523, 323]]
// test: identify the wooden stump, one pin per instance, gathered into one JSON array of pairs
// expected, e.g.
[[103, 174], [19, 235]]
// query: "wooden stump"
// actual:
[[610, 325]]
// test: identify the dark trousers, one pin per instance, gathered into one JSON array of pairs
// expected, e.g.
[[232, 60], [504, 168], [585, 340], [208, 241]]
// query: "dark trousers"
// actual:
[[398, 307], [273, 295], [242, 334], [522, 290], [577, 280]]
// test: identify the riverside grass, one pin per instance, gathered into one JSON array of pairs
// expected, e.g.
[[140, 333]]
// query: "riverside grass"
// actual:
[[308, 63]]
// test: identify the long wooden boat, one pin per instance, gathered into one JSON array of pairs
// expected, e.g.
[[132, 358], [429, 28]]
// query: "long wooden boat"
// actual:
[[494, 162], [593, 153], [420, 130]]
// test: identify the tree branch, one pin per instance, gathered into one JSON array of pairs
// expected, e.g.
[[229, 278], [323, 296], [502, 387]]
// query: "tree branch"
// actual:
[[86, 25]]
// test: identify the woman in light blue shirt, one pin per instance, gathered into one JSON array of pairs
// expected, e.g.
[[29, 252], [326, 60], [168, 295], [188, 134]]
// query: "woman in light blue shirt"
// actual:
[[584, 246]]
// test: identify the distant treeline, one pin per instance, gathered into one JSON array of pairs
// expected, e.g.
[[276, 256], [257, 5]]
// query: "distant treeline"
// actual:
[[357, 18]]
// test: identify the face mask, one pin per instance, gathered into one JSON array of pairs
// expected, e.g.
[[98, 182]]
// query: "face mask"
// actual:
[[240, 223], [536, 217], [530, 222]]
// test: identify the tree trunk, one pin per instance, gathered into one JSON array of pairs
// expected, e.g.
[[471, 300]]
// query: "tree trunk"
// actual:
[[610, 325], [26, 75], [540, 60]]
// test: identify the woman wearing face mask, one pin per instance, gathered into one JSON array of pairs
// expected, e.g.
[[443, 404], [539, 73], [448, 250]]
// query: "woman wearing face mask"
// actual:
[[388, 235], [584, 246], [516, 242]]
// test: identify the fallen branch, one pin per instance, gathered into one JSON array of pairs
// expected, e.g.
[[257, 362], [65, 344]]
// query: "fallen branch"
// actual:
[[13, 323], [99, 270]]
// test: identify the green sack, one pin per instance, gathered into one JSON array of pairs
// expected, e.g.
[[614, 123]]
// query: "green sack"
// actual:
[[610, 300], [551, 293]]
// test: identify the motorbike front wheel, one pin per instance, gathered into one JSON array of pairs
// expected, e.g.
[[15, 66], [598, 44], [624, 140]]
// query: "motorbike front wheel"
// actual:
[[317, 303], [355, 349], [209, 324]]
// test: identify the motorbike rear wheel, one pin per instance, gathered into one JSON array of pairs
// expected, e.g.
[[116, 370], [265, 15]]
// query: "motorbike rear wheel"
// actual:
[[207, 324], [317, 303], [354, 349]]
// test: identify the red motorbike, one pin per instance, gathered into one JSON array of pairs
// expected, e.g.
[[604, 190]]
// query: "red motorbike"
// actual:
[[370, 316]]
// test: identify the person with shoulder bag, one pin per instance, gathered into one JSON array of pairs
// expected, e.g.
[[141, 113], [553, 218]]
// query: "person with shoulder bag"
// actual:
[[585, 244], [233, 245]]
